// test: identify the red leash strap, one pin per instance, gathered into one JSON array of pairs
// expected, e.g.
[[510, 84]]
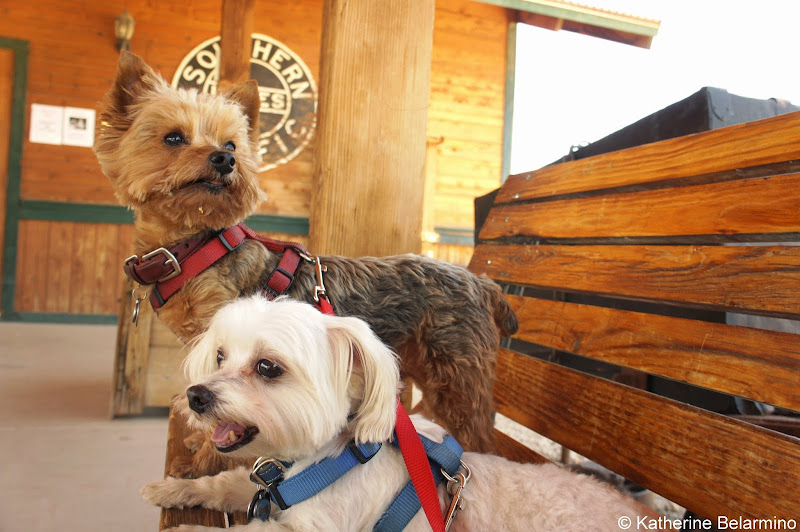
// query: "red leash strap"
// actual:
[[324, 306], [419, 468]]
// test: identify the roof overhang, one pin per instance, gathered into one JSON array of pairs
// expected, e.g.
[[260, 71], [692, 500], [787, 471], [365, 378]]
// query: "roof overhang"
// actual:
[[560, 15]]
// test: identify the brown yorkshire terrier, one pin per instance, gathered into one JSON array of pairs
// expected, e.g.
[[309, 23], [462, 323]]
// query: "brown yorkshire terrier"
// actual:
[[187, 164]]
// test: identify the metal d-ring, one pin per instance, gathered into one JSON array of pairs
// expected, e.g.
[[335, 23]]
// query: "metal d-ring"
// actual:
[[466, 477], [137, 304]]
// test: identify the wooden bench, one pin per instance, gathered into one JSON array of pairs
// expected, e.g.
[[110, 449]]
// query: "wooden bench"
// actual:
[[663, 226], [577, 242]]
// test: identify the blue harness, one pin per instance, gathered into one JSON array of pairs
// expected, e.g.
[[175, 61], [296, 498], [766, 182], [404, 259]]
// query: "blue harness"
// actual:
[[268, 474]]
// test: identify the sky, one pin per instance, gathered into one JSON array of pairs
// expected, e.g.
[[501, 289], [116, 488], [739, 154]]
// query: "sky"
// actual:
[[572, 89]]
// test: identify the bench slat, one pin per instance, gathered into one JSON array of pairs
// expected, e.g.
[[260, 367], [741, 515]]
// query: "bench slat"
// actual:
[[750, 279], [728, 209], [763, 142], [700, 460], [730, 359]]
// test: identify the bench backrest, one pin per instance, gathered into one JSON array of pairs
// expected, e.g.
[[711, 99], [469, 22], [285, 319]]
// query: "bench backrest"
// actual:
[[664, 225]]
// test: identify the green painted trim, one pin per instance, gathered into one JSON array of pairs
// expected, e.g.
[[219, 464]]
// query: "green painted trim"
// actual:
[[268, 223], [75, 212], [16, 136], [508, 112], [455, 236], [50, 317], [577, 15], [58, 211]]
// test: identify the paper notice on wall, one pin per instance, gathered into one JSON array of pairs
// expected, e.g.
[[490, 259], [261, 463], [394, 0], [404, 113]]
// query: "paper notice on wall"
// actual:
[[78, 127], [47, 122]]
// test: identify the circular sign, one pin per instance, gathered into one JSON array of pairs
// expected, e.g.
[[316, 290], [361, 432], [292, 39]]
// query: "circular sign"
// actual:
[[288, 93]]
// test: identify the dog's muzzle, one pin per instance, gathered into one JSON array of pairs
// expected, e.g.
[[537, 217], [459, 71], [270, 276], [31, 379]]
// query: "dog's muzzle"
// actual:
[[200, 398]]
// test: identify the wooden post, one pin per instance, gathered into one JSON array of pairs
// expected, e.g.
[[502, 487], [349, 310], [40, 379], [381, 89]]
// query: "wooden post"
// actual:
[[429, 235], [236, 30], [373, 110]]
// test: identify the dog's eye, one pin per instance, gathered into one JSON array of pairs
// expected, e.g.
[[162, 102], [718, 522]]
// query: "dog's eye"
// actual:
[[220, 357], [268, 369], [230, 146], [174, 138]]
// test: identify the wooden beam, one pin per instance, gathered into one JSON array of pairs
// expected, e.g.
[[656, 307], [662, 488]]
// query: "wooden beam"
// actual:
[[130, 366], [235, 38], [369, 174]]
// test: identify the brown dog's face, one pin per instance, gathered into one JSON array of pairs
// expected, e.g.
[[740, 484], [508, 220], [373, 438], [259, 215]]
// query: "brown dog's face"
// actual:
[[181, 159]]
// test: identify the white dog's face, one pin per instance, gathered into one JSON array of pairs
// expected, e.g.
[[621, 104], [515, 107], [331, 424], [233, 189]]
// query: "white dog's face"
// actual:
[[281, 379]]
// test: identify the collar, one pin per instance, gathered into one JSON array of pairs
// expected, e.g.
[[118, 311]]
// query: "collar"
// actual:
[[269, 473], [169, 269]]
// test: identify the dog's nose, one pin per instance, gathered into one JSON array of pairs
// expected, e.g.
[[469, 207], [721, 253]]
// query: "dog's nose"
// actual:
[[200, 398], [222, 161]]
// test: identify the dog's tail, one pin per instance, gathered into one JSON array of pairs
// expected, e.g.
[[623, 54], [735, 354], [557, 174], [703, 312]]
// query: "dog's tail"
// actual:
[[504, 316]]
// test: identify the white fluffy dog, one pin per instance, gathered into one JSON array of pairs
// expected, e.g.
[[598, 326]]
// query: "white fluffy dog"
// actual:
[[282, 380]]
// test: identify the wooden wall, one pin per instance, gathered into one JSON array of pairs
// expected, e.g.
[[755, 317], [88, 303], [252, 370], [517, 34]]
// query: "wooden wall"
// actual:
[[72, 62], [466, 106]]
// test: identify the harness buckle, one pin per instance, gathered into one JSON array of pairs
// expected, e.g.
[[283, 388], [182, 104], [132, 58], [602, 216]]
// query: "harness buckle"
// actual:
[[176, 267], [267, 471]]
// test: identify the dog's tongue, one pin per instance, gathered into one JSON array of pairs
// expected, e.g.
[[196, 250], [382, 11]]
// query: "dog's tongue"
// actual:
[[222, 432]]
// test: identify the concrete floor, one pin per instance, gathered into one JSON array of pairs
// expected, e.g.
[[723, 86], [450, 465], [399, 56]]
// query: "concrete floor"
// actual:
[[66, 465]]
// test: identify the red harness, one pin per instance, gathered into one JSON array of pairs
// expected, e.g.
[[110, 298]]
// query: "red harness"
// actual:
[[169, 269]]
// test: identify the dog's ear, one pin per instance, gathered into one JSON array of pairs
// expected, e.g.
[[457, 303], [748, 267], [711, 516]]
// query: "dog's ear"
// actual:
[[201, 360], [134, 79], [246, 94], [374, 377]]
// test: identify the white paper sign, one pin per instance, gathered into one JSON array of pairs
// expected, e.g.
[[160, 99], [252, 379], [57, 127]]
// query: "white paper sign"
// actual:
[[78, 127], [46, 123]]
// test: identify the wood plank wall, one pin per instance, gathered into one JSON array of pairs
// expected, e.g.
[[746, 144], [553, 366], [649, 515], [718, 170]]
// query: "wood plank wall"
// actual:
[[466, 111], [72, 62]]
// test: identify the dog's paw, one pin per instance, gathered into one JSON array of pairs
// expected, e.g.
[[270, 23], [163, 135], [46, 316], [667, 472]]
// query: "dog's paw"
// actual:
[[208, 461], [167, 493], [195, 441], [181, 467]]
